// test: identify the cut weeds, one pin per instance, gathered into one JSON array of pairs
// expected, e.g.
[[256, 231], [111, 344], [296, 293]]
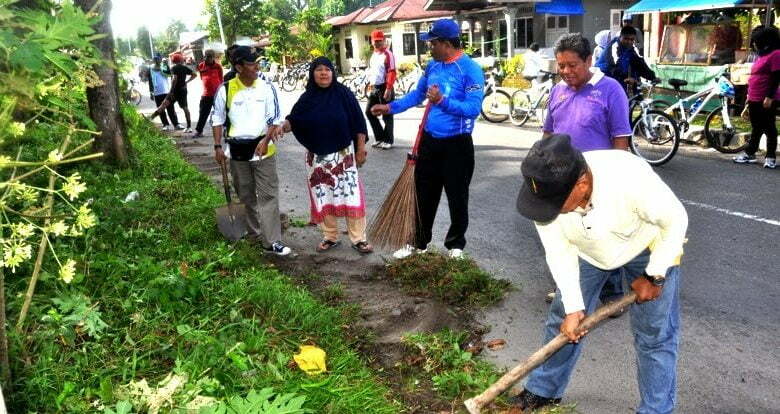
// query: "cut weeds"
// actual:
[[454, 281]]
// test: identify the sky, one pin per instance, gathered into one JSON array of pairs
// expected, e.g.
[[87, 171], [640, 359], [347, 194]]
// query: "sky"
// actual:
[[128, 15]]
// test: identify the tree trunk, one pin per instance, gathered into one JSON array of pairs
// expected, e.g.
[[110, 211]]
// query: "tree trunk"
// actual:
[[104, 101]]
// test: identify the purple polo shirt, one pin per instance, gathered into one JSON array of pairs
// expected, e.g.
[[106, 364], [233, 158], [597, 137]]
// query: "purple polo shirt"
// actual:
[[592, 116]]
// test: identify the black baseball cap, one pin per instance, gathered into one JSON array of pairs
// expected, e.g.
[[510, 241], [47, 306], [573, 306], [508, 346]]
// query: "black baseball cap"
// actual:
[[243, 54], [550, 170]]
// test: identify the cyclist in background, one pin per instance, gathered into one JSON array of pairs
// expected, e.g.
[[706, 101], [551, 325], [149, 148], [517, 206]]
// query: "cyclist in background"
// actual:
[[621, 61]]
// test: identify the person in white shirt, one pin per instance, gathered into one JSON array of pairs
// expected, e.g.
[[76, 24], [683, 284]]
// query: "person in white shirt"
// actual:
[[597, 212], [534, 62], [382, 75], [247, 110]]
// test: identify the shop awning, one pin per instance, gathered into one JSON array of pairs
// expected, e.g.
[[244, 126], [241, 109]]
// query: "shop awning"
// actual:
[[570, 7], [646, 6]]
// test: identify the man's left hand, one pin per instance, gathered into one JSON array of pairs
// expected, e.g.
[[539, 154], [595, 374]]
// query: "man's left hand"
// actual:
[[570, 324], [630, 81], [645, 290], [434, 94], [388, 94], [767, 103], [262, 147]]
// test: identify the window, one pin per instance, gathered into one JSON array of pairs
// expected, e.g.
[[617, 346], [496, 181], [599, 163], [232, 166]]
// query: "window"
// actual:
[[348, 48], [524, 32], [408, 44]]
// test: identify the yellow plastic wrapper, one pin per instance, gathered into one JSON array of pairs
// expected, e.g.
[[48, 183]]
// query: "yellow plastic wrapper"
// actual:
[[311, 360]]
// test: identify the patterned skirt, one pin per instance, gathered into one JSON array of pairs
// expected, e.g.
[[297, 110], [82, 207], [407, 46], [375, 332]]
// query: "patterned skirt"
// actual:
[[335, 189]]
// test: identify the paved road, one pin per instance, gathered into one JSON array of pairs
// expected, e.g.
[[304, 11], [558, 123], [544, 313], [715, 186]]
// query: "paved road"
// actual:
[[728, 360]]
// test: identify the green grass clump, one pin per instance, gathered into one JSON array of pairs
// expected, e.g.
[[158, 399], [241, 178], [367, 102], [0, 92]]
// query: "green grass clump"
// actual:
[[161, 293], [455, 281]]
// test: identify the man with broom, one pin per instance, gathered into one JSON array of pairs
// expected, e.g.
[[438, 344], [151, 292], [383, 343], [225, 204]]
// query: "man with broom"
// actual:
[[595, 213], [453, 85]]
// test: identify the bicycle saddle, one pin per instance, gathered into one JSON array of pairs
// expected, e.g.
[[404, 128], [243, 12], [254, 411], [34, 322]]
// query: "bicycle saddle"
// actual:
[[677, 83]]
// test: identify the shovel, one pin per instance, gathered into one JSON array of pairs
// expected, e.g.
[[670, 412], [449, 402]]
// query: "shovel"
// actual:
[[475, 405], [231, 218]]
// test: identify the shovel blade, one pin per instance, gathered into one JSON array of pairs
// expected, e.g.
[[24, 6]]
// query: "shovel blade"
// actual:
[[231, 221]]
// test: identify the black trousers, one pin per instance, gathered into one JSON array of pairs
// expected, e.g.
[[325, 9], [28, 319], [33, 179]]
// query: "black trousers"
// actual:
[[447, 164], [763, 122], [206, 102], [158, 99], [382, 134]]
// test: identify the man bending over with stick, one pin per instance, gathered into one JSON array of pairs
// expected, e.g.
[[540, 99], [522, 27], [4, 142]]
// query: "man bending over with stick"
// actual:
[[595, 213], [453, 84]]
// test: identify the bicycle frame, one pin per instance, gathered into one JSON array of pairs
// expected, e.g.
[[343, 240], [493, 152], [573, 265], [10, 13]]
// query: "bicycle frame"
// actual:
[[718, 89]]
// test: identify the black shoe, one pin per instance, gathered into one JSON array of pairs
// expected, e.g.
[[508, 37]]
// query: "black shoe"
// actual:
[[529, 401]]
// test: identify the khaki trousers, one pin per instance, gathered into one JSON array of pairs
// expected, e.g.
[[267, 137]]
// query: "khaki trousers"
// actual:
[[257, 186], [356, 227]]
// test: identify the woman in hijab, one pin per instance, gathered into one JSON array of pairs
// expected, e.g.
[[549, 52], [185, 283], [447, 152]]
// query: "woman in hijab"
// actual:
[[762, 95], [602, 41], [328, 122]]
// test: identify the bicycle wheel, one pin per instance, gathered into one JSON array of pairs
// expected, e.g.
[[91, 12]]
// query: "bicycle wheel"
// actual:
[[496, 106], [655, 137], [288, 83], [521, 108], [635, 109], [727, 137], [135, 96]]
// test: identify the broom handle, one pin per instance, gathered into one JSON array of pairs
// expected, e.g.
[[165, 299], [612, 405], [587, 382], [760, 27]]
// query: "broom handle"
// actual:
[[421, 129], [474, 405]]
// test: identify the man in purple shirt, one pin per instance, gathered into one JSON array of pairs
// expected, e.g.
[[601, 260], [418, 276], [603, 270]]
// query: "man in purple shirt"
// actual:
[[592, 109]]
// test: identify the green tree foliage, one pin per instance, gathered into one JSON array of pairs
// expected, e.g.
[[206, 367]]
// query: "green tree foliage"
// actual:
[[280, 9], [168, 42], [142, 42], [239, 18], [333, 7]]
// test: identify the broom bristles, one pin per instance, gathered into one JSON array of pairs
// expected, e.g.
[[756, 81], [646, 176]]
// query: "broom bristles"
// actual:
[[395, 224]]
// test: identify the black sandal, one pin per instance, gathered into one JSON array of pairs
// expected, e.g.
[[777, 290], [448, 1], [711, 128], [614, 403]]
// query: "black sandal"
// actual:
[[363, 247], [326, 245]]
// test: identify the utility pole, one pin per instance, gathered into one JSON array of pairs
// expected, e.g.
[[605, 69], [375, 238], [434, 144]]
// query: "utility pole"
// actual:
[[219, 23], [151, 44]]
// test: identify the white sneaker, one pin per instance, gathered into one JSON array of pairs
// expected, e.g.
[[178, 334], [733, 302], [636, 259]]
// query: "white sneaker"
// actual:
[[744, 158], [278, 248], [178, 127], [770, 163], [188, 130], [407, 251], [385, 145], [376, 144], [165, 128], [456, 254]]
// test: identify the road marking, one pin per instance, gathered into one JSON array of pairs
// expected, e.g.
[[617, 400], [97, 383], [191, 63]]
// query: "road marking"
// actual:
[[733, 213]]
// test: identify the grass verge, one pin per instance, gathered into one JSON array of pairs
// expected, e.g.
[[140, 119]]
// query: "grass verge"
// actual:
[[165, 314], [454, 281]]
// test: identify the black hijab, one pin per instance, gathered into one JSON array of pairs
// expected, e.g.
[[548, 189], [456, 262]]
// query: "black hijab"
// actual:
[[326, 120]]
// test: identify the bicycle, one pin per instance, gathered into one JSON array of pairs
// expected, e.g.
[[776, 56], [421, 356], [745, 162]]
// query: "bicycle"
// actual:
[[295, 77], [132, 94], [645, 91], [496, 104], [523, 107], [725, 132], [655, 136]]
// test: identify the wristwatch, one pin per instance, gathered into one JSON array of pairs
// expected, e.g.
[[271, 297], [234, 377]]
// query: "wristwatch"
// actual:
[[655, 280]]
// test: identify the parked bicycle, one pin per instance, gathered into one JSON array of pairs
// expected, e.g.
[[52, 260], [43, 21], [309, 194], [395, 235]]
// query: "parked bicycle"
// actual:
[[655, 136], [358, 83], [132, 94], [532, 102], [496, 104], [646, 89], [295, 77], [723, 128]]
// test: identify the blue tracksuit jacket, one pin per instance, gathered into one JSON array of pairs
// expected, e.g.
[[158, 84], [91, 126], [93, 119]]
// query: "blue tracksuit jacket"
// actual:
[[462, 83]]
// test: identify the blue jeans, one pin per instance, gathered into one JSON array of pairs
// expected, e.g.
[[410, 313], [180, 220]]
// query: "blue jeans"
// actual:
[[656, 328]]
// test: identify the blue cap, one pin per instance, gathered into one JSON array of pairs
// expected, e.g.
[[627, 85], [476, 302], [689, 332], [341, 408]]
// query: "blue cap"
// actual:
[[442, 29]]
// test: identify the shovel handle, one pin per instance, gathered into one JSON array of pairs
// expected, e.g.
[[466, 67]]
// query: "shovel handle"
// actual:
[[225, 181], [474, 405]]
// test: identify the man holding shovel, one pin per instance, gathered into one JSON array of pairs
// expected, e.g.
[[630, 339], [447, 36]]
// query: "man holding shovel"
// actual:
[[247, 109], [454, 86], [595, 213]]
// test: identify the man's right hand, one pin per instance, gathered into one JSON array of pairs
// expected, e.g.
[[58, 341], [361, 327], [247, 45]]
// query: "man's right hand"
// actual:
[[380, 109], [570, 324], [219, 155]]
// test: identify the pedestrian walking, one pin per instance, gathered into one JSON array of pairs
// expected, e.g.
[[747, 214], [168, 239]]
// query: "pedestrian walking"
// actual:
[[596, 212], [248, 110], [762, 95], [159, 87], [328, 122], [590, 108], [622, 61], [382, 76], [454, 86], [211, 76], [178, 92]]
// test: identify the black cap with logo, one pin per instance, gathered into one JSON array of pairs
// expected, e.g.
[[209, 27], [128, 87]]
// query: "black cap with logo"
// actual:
[[243, 54], [550, 170]]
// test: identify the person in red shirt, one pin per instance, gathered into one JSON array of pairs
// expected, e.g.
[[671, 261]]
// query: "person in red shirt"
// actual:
[[381, 76], [211, 75]]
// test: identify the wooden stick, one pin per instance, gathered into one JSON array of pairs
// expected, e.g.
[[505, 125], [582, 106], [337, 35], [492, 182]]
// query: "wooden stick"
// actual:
[[474, 405]]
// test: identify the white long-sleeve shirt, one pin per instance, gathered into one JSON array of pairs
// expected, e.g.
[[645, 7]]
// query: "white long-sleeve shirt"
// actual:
[[631, 209]]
